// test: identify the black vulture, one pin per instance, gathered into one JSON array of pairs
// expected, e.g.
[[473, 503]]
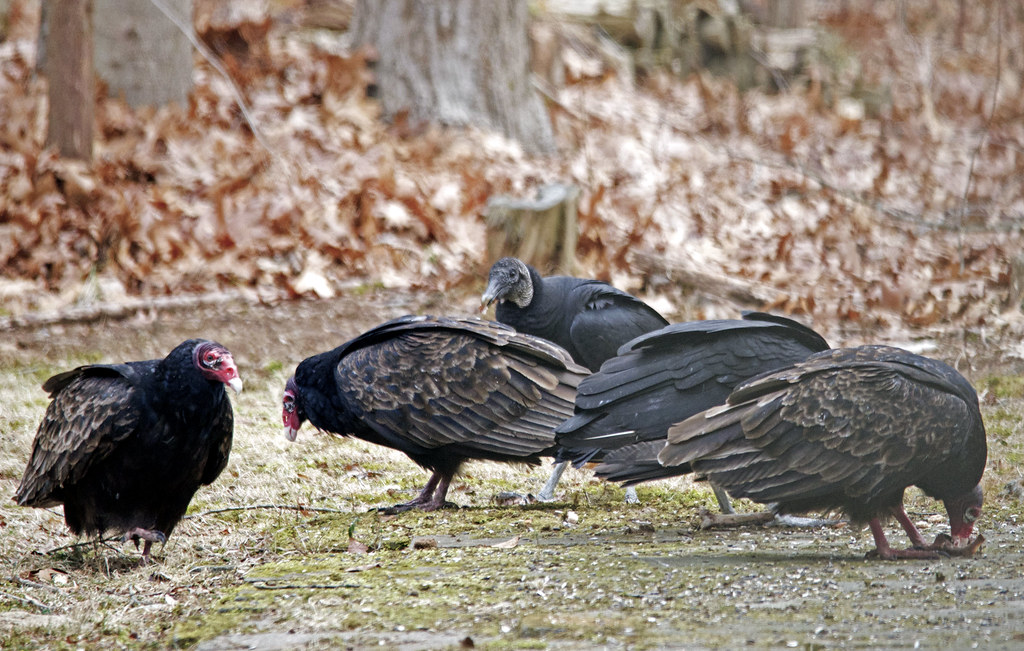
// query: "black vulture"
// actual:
[[442, 390], [623, 412], [124, 447], [588, 318], [848, 430]]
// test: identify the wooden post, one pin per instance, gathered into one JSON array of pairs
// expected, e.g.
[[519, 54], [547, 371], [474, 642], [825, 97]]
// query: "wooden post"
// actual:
[[68, 70]]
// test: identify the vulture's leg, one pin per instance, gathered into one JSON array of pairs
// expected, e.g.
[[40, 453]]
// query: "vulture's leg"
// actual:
[[915, 536], [150, 536], [437, 502], [547, 493], [724, 503], [883, 551], [431, 498], [425, 497], [631, 496]]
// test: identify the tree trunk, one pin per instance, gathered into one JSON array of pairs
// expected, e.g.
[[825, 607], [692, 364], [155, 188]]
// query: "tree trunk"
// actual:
[[787, 14], [141, 52], [458, 62], [68, 70]]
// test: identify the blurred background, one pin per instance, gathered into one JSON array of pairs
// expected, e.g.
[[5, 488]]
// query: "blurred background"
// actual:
[[857, 164]]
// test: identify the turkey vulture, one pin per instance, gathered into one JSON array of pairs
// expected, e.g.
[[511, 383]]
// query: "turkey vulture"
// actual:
[[441, 390], [849, 430], [623, 412], [588, 318], [124, 447]]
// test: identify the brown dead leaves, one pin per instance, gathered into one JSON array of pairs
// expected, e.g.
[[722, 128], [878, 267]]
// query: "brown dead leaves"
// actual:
[[848, 211]]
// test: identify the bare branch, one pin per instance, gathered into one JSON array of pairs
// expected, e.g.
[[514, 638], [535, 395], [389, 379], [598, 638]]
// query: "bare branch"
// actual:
[[26, 600], [123, 308], [255, 507], [1012, 225], [962, 212]]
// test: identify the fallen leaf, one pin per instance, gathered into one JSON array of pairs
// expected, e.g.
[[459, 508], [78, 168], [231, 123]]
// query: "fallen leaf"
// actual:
[[356, 547], [507, 544]]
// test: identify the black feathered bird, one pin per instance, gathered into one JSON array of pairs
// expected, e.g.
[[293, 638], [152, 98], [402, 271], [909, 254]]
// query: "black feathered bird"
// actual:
[[589, 318], [623, 412], [124, 447], [441, 390], [849, 430]]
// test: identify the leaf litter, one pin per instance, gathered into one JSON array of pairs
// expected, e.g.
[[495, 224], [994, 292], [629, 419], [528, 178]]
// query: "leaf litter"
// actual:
[[902, 220]]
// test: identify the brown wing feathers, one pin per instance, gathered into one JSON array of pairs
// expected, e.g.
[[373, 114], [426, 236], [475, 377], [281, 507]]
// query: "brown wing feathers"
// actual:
[[441, 388], [82, 424], [845, 426]]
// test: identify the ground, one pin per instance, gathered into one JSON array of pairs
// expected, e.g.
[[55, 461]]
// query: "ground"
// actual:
[[283, 552]]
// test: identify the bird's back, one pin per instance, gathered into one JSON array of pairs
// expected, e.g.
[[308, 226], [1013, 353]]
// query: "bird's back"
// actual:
[[588, 318], [443, 390], [120, 451], [847, 429], [668, 375]]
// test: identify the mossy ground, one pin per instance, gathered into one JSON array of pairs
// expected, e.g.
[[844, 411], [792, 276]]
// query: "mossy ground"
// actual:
[[264, 556]]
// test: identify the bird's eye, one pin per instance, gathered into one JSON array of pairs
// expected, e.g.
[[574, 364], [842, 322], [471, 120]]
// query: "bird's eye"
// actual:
[[211, 359], [289, 404], [972, 514]]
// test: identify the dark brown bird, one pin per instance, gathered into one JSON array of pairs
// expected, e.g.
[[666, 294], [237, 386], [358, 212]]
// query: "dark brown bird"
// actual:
[[124, 447], [589, 318], [848, 430], [441, 390]]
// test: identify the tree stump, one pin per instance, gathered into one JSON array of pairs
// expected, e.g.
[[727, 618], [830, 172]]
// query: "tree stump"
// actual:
[[541, 232]]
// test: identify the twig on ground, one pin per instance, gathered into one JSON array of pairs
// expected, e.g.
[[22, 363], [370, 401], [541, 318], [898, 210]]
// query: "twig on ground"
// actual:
[[254, 507], [34, 584], [267, 584], [26, 600], [84, 543], [119, 310]]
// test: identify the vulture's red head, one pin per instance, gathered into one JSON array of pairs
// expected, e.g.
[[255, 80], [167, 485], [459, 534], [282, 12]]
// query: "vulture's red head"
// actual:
[[215, 363], [291, 415], [963, 511]]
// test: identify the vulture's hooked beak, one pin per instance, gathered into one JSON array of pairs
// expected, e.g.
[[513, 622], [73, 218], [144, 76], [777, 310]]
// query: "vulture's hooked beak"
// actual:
[[491, 294], [236, 384]]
